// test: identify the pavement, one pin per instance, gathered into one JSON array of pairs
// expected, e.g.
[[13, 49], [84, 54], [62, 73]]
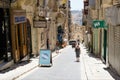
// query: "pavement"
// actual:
[[20, 69], [92, 68]]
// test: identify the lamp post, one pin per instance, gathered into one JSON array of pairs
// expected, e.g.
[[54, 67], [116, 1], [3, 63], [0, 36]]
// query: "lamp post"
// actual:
[[47, 19], [47, 37]]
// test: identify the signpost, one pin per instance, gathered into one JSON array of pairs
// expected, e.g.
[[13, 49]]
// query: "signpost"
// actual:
[[45, 58]]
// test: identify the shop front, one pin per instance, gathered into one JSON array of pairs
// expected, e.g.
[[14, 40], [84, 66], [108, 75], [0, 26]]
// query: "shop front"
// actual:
[[5, 33], [19, 34], [101, 38]]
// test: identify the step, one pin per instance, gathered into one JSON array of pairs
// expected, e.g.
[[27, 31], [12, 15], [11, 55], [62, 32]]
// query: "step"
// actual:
[[5, 65]]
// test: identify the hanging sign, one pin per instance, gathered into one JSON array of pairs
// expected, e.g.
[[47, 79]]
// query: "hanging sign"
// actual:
[[40, 24], [99, 24]]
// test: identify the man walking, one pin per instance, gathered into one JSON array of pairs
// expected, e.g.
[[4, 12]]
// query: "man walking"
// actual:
[[77, 51]]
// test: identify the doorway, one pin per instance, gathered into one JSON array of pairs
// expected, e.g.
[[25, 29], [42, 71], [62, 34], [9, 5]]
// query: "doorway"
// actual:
[[5, 35], [20, 41]]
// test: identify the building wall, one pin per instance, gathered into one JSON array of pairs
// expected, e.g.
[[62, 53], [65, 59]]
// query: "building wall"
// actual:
[[37, 33], [113, 48], [52, 35], [113, 37], [31, 12], [95, 41], [110, 15], [107, 10]]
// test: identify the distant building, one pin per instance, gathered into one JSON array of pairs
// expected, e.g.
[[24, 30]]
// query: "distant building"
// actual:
[[76, 17]]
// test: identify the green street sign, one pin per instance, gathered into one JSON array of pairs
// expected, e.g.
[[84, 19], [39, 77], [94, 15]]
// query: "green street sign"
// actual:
[[99, 24]]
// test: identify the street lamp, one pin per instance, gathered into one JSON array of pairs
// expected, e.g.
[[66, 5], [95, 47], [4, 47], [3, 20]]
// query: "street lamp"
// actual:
[[47, 41], [86, 32], [47, 18], [47, 22]]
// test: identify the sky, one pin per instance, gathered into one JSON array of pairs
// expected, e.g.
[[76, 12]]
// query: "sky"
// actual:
[[76, 4]]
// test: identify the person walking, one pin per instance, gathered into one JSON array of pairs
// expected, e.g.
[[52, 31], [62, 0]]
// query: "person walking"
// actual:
[[57, 47], [77, 51]]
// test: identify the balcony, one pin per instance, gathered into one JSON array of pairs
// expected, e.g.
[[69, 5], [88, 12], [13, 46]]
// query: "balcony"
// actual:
[[85, 12], [86, 3]]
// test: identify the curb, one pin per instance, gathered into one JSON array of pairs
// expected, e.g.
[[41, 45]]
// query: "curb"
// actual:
[[24, 73], [84, 72], [83, 68]]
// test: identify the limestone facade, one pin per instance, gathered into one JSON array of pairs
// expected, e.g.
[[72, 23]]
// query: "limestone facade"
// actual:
[[106, 40]]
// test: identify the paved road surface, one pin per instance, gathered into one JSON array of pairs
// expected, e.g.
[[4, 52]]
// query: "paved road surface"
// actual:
[[64, 68]]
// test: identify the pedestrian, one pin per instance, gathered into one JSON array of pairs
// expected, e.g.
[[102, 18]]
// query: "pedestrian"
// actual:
[[82, 41], [57, 47], [77, 51], [78, 43]]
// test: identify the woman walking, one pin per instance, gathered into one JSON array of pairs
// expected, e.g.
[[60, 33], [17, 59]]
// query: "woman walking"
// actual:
[[77, 51]]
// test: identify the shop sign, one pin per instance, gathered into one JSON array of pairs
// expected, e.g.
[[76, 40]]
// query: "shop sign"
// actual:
[[99, 24], [19, 19], [40, 24], [45, 57]]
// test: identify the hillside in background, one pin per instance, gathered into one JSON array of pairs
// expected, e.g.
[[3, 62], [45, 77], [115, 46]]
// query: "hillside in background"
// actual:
[[76, 17]]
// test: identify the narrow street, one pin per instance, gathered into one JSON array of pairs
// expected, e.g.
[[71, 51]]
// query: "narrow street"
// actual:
[[64, 68], [30, 27]]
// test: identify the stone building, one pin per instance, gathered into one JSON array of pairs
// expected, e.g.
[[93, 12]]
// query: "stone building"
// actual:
[[104, 19], [112, 18], [5, 34], [30, 24]]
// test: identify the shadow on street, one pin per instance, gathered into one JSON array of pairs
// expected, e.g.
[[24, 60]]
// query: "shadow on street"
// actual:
[[15, 66], [108, 69], [113, 73]]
